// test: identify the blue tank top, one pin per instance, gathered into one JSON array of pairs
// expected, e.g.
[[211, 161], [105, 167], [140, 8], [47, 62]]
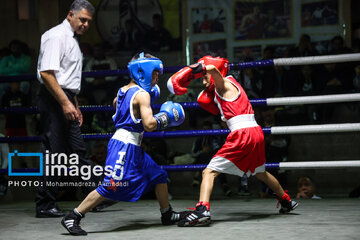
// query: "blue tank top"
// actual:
[[124, 116]]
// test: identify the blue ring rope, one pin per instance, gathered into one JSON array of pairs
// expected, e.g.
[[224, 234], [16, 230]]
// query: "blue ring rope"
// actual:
[[108, 108], [106, 136], [162, 134], [98, 73], [232, 66], [170, 168]]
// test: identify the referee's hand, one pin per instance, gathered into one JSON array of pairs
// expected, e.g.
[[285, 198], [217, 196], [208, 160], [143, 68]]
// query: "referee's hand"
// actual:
[[70, 112]]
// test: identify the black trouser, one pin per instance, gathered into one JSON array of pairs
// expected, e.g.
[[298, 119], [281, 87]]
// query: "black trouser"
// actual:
[[59, 135]]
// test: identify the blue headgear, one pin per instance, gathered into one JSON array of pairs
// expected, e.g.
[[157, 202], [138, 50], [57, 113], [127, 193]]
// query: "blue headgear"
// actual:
[[141, 70]]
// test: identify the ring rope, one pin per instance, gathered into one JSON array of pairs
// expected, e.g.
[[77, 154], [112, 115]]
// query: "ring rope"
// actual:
[[232, 66], [280, 130], [276, 165], [332, 98], [353, 57]]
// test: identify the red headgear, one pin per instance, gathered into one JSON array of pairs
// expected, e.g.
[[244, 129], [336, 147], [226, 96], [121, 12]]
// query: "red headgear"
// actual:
[[220, 63]]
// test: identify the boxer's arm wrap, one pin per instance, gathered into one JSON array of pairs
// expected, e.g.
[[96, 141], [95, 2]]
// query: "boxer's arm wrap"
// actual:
[[206, 101], [177, 83], [198, 70], [162, 120]]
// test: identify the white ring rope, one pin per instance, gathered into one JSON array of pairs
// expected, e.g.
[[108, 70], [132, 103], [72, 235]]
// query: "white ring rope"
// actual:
[[317, 59], [352, 97], [324, 128], [321, 164]]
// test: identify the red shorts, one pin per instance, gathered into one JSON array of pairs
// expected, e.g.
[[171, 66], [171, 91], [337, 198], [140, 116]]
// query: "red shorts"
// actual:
[[242, 153]]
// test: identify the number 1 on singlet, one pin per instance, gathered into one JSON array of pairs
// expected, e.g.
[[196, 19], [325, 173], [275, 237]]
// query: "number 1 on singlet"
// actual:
[[119, 165]]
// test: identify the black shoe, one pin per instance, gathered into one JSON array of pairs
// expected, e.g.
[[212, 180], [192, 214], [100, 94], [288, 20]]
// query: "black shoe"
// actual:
[[71, 222], [170, 217], [104, 204], [50, 213], [244, 191], [287, 206], [199, 217]]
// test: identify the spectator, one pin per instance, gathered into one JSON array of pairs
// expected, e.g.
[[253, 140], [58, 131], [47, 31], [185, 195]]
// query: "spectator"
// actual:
[[252, 81], [276, 150], [17, 63], [15, 123], [331, 79], [306, 188], [99, 153], [243, 186], [286, 81], [4, 149], [304, 47], [102, 121], [308, 87], [88, 117], [338, 46], [189, 96], [3, 85], [270, 83], [87, 52], [158, 38], [157, 149], [99, 88], [203, 150], [356, 79]]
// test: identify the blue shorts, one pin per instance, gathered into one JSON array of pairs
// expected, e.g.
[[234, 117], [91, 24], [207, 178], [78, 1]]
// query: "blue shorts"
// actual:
[[130, 172]]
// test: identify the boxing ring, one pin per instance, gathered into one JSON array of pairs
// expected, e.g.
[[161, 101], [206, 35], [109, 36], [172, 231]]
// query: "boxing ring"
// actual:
[[302, 129], [339, 218]]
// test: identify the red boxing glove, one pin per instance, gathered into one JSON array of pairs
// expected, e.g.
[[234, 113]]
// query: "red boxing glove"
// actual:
[[206, 101], [177, 83]]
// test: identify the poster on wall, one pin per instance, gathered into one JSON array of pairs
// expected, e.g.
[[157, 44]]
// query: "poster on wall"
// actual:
[[248, 53], [262, 19], [218, 47], [208, 20], [129, 19], [320, 13]]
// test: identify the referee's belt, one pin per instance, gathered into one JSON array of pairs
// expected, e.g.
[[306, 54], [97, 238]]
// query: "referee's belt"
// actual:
[[128, 137], [241, 121]]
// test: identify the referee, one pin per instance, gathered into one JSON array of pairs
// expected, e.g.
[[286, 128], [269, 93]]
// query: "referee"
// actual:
[[59, 72]]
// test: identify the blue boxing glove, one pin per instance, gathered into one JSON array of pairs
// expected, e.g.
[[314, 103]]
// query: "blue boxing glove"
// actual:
[[154, 94], [170, 115]]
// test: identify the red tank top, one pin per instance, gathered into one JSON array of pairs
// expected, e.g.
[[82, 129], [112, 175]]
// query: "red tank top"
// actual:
[[233, 107]]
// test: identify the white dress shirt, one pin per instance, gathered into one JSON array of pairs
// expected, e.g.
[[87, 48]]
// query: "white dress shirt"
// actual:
[[60, 52]]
